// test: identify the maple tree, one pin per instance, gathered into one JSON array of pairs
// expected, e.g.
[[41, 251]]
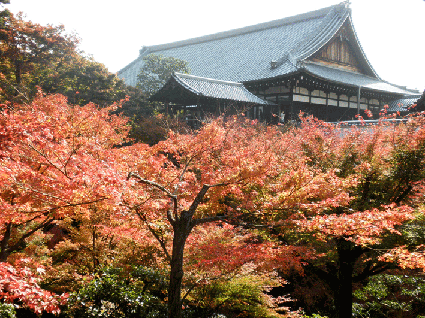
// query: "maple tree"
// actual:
[[354, 190], [20, 283], [54, 157], [336, 199], [57, 161], [230, 270], [188, 181]]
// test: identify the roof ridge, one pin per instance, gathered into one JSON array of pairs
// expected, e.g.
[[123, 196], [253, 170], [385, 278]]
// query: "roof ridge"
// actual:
[[244, 30], [339, 13], [302, 50]]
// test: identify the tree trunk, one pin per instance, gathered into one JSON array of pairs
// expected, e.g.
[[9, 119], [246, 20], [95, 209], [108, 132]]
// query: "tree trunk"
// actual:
[[18, 73], [181, 232], [4, 251], [344, 292]]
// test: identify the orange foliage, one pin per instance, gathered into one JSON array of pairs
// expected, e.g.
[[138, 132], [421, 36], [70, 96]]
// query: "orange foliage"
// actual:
[[19, 283]]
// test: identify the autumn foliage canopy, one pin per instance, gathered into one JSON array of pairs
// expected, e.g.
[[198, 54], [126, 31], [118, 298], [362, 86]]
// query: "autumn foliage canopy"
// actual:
[[235, 198]]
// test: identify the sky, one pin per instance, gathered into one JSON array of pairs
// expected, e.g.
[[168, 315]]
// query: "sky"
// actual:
[[391, 32]]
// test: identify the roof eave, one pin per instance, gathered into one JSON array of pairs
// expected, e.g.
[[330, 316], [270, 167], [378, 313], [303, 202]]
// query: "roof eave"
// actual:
[[360, 48], [323, 36]]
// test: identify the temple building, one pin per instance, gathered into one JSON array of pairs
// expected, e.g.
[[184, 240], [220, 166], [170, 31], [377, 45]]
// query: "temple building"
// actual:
[[312, 62]]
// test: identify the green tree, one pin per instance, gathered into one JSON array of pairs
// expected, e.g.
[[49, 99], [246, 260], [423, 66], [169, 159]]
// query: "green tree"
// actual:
[[47, 57], [391, 295], [157, 69], [30, 51], [82, 80], [3, 13]]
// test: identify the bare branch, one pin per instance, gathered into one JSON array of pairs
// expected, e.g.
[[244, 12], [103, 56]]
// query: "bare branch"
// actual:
[[21, 240], [208, 220], [201, 194], [40, 192], [152, 183], [49, 210], [158, 238], [47, 159], [162, 188], [182, 175]]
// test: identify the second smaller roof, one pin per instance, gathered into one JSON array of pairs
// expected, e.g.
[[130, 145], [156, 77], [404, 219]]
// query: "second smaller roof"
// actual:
[[201, 87]]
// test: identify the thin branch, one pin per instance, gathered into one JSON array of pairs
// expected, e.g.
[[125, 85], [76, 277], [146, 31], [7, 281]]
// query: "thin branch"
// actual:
[[172, 218], [247, 225], [201, 194], [16, 246], [158, 238], [46, 211], [47, 159], [182, 175], [372, 271], [40, 192], [152, 183], [208, 220], [73, 152]]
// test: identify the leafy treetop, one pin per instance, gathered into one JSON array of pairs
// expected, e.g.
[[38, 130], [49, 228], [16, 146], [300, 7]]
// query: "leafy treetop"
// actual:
[[55, 158], [156, 70]]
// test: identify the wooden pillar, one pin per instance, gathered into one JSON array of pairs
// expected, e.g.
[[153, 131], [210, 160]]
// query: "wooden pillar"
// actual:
[[199, 109], [358, 100], [291, 102], [327, 106]]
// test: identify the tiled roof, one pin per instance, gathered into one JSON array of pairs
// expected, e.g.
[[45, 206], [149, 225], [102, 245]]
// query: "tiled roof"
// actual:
[[246, 54], [403, 104], [353, 79], [208, 88], [269, 50]]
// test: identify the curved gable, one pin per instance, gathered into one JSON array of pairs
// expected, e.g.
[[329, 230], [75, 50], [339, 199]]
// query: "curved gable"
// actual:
[[343, 51]]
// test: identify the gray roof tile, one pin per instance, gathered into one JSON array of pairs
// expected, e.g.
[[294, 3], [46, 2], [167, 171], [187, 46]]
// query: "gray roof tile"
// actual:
[[403, 104], [354, 79], [245, 54], [209, 88]]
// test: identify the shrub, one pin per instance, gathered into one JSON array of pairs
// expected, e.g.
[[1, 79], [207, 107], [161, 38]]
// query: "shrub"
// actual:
[[391, 296], [7, 311], [114, 292]]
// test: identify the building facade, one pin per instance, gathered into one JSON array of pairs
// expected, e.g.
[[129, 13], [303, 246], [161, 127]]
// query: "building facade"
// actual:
[[311, 62]]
